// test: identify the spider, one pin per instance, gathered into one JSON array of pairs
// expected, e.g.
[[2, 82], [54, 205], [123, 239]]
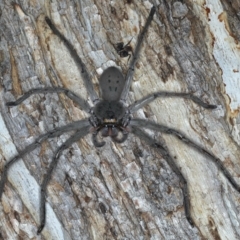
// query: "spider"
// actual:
[[111, 117], [123, 50]]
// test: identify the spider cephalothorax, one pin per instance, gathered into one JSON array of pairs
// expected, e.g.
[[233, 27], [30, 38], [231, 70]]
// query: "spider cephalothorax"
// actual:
[[112, 118]]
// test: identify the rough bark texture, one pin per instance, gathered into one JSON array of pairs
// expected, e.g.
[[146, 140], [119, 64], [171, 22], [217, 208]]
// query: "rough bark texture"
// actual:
[[121, 191]]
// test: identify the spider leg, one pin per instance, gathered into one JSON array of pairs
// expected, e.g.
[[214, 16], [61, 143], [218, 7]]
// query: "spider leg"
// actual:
[[157, 127], [51, 134], [83, 70], [77, 136], [135, 55], [146, 100], [121, 139], [164, 152], [80, 101], [95, 140], [129, 56], [127, 43]]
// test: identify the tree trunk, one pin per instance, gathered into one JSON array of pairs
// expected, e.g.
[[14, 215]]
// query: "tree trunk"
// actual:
[[122, 191]]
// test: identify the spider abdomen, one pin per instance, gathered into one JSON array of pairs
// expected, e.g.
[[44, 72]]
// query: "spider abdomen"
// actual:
[[111, 84]]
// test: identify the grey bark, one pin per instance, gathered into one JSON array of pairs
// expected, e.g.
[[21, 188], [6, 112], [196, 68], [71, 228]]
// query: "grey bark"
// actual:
[[120, 191]]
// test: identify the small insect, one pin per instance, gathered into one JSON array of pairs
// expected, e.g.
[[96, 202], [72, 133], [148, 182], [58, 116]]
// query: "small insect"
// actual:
[[112, 117], [123, 50]]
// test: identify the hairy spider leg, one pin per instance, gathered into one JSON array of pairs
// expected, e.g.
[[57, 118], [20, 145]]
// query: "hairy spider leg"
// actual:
[[121, 139], [77, 136], [127, 43], [136, 54], [165, 154], [161, 128], [95, 141], [82, 68], [51, 134], [83, 104], [151, 97]]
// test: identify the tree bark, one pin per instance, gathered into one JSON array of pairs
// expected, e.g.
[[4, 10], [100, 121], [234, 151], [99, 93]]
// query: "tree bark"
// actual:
[[122, 191]]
